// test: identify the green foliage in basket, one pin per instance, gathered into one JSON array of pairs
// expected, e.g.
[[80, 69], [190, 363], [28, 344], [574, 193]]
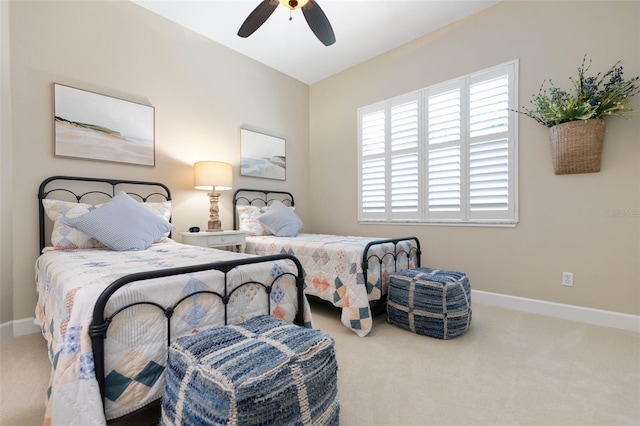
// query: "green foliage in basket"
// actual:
[[596, 96]]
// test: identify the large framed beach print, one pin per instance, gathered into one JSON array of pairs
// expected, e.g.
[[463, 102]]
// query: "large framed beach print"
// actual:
[[91, 126], [262, 155]]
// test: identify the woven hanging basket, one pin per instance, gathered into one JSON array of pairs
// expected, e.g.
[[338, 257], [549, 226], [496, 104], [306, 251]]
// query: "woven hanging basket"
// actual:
[[576, 146]]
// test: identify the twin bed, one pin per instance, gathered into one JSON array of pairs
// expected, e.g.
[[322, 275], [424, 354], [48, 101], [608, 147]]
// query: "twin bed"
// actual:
[[349, 272], [109, 314]]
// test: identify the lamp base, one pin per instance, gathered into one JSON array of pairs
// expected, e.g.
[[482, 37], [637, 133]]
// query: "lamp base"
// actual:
[[214, 226]]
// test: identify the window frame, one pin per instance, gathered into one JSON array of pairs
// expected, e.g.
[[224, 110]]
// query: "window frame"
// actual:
[[466, 216]]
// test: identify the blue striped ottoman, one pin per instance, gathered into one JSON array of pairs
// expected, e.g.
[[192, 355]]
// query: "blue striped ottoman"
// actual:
[[263, 371], [430, 302]]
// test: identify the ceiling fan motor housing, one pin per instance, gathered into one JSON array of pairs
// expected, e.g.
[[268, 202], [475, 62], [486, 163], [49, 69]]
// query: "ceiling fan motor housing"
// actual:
[[293, 4]]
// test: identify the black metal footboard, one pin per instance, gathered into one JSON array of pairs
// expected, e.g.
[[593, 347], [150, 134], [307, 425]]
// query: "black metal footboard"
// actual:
[[399, 255], [100, 322]]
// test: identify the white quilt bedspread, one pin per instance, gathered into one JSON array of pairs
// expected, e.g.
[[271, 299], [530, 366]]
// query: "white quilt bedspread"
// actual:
[[69, 283], [333, 270]]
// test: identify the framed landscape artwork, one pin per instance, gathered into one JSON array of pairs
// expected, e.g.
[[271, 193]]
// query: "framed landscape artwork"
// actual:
[[262, 155], [91, 126]]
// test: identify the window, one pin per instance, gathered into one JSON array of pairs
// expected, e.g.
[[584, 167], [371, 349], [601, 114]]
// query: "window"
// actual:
[[443, 154]]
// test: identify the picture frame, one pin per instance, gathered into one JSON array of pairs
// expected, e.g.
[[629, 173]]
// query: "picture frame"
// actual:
[[92, 126], [262, 156]]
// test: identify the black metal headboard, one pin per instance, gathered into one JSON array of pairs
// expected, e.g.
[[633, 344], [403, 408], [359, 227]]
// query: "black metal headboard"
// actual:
[[97, 190], [258, 197]]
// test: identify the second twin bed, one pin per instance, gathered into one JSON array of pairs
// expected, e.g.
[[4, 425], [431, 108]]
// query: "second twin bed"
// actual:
[[349, 272]]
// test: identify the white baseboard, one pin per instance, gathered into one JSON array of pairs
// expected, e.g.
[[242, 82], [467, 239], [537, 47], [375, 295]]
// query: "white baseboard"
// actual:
[[558, 310], [18, 328]]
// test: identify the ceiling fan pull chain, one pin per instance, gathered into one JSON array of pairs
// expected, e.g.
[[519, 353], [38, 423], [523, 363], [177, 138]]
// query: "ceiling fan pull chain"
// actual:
[[290, 17]]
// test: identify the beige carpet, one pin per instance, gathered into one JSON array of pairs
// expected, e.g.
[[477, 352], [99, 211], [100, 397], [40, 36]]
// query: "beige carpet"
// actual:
[[510, 368]]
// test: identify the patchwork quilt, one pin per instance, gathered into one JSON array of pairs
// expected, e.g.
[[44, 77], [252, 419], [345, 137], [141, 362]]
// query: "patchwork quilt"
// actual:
[[333, 270], [68, 285]]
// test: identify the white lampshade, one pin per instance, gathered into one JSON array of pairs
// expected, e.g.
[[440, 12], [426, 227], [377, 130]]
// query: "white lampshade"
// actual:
[[213, 175], [290, 4]]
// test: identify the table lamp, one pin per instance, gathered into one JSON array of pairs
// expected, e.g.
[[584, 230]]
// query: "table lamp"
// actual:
[[213, 176]]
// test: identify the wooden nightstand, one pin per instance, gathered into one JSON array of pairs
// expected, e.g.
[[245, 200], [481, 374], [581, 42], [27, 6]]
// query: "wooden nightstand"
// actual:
[[215, 239]]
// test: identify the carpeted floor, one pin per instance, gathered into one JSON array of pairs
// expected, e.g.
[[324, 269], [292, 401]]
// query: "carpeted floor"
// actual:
[[510, 368]]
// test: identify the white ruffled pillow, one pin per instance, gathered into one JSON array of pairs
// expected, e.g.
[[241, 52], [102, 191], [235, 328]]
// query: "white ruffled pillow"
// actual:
[[248, 219], [64, 237]]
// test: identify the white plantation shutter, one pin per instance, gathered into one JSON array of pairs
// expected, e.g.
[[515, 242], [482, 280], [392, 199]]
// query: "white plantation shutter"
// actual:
[[445, 190], [445, 116], [444, 154], [404, 183], [389, 138], [373, 175], [489, 176], [489, 106], [444, 139], [404, 140], [491, 187], [373, 186]]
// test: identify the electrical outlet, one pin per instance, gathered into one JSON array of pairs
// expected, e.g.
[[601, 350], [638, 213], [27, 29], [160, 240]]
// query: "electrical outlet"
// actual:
[[567, 278]]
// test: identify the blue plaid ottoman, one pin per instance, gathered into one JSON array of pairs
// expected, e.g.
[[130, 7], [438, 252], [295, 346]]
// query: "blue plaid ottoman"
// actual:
[[430, 302], [263, 371]]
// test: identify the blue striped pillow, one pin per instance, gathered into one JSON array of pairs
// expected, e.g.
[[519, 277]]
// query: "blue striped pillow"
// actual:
[[122, 224], [280, 220]]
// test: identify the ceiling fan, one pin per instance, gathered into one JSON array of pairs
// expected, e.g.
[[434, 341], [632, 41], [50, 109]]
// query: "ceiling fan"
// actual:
[[315, 17]]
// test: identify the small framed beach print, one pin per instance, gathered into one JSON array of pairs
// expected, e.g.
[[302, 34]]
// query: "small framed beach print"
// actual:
[[262, 155], [91, 126]]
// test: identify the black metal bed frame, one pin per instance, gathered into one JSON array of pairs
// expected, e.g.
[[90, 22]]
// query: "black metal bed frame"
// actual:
[[262, 197], [100, 322]]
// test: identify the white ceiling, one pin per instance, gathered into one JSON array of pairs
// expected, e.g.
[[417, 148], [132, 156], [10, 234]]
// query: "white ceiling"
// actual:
[[364, 29]]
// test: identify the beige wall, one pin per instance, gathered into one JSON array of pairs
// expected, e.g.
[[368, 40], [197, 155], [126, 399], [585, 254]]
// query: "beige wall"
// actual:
[[564, 224], [202, 93]]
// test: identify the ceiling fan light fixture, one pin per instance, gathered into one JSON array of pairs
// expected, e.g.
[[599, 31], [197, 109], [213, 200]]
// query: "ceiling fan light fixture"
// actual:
[[293, 4], [311, 11]]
